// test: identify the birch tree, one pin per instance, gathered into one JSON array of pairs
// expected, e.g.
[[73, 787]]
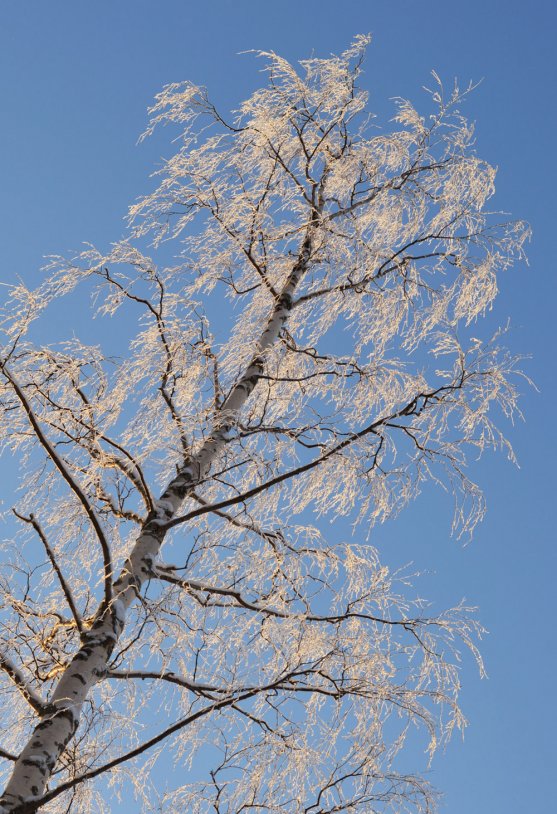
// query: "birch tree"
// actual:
[[291, 343]]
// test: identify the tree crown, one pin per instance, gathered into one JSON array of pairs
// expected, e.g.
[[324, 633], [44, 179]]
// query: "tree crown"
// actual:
[[300, 288]]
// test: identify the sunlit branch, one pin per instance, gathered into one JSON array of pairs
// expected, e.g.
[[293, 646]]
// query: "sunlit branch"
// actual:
[[114, 509], [167, 575], [33, 699], [51, 556], [135, 475], [269, 536], [71, 482], [168, 370], [413, 407], [171, 678]]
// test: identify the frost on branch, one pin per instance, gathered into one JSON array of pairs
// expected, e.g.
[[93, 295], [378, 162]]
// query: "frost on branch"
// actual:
[[293, 306]]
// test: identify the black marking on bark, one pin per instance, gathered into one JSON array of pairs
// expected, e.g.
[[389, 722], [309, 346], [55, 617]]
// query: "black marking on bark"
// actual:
[[152, 527], [66, 713], [181, 490], [30, 762], [44, 724], [128, 579], [285, 301]]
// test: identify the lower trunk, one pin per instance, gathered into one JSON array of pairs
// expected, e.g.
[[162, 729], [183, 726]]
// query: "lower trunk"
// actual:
[[57, 726]]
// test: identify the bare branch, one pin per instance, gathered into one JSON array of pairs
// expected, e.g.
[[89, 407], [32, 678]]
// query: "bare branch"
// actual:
[[415, 406], [73, 485], [50, 554], [33, 699]]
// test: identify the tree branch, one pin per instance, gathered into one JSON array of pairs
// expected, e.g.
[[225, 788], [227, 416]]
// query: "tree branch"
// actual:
[[32, 698], [50, 554], [196, 585], [73, 485], [408, 409]]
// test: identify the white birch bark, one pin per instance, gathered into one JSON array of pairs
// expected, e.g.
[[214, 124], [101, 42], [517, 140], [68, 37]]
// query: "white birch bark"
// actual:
[[60, 720]]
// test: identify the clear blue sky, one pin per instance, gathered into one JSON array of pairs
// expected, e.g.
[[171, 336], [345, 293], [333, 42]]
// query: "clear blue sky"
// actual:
[[76, 78]]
